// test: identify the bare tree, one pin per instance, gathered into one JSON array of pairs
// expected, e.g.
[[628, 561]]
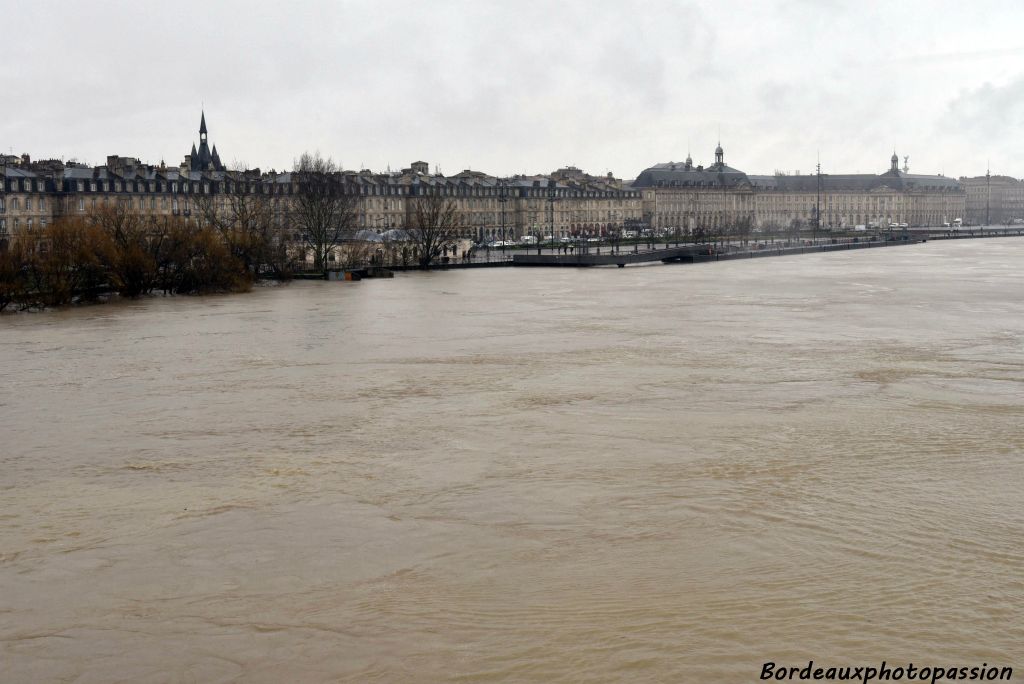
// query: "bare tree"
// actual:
[[795, 226], [129, 249], [698, 234], [322, 210], [245, 222], [14, 274], [742, 229], [436, 224], [397, 249]]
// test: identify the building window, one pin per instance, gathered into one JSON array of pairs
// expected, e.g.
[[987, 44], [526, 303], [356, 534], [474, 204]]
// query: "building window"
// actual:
[[81, 204]]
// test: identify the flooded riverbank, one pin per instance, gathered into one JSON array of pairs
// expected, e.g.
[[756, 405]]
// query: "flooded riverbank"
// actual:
[[664, 473]]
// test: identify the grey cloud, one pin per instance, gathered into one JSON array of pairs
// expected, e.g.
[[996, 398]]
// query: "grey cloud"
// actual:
[[519, 87]]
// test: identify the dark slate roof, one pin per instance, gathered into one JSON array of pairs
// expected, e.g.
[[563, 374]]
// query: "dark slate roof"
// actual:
[[78, 173], [205, 158], [672, 174], [17, 173], [855, 182]]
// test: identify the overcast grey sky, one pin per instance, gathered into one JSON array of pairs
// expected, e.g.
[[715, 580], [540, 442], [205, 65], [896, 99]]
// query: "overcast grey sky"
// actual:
[[508, 87]]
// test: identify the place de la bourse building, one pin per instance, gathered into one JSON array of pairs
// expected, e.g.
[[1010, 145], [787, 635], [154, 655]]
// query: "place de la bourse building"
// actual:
[[684, 196], [670, 197]]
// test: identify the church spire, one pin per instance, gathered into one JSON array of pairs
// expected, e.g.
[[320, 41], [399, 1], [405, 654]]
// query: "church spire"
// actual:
[[202, 158]]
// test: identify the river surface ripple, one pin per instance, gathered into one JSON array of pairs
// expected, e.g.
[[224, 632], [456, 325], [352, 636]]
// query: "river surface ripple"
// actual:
[[651, 474]]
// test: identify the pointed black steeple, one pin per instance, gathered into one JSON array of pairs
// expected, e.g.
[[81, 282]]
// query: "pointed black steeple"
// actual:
[[203, 159]]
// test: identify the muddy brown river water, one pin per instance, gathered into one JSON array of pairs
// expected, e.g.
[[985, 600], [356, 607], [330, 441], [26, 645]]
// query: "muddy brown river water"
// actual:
[[653, 474]]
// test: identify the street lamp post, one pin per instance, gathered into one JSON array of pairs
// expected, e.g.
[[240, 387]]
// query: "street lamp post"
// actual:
[[988, 195], [817, 206], [502, 199], [551, 209]]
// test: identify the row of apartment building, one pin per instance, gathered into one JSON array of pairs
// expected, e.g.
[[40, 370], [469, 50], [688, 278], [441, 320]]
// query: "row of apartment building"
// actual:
[[489, 207], [994, 199], [669, 197]]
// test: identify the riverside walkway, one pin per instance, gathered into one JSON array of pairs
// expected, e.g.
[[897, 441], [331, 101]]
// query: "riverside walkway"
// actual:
[[703, 252], [691, 254], [610, 258], [609, 255]]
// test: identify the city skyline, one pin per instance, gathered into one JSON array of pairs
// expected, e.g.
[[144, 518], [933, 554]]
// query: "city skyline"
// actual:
[[507, 92]]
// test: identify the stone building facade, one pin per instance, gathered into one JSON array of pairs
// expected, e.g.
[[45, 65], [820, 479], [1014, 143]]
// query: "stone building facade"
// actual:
[[683, 196], [567, 202], [26, 202], [993, 199], [668, 197]]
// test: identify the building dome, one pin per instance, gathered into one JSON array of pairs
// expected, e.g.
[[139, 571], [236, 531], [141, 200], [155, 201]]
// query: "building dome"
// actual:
[[718, 150]]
